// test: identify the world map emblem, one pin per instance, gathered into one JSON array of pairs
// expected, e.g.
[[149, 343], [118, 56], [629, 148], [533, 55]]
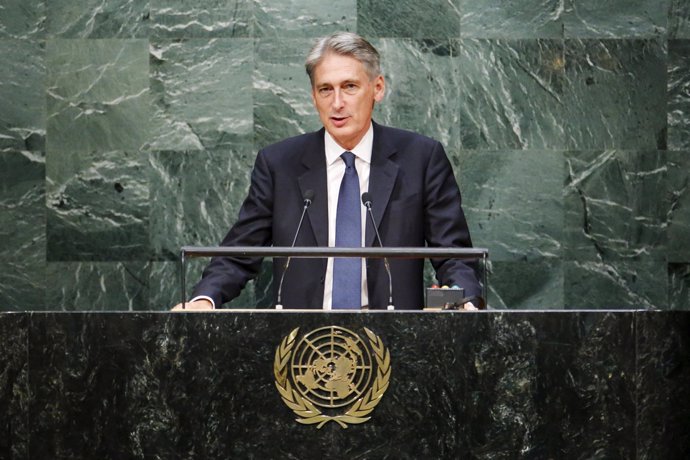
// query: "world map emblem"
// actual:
[[331, 374]]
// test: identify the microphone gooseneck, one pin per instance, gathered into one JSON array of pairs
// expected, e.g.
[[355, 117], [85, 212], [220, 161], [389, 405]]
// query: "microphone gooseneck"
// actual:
[[366, 201], [308, 197]]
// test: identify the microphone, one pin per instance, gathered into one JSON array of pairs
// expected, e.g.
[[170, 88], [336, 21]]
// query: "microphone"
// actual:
[[308, 197], [366, 201]]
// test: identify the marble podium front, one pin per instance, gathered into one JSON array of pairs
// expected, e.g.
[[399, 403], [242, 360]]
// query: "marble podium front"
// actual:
[[518, 384]]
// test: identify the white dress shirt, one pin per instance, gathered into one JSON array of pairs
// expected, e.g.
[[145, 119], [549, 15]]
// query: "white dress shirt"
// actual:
[[335, 170]]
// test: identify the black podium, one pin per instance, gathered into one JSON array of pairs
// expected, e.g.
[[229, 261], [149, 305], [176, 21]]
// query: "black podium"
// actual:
[[489, 384]]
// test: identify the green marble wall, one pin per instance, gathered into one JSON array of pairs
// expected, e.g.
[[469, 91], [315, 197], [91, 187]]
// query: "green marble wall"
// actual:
[[128, 128]]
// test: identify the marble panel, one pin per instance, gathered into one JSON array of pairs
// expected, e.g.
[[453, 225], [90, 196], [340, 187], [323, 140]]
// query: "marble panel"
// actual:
[[520, 284], [565, 388], [98, 95], [512, 18], [22, 92], [512, 201], [98, 206], [679, 19], [14, 386], [97, 18], [201, 91], [22, 230], [23, 19], [679, 286], [408, 18], [195, 197], [615, 18], [615, 285], [615, 94], [208, 19], [678, 95], [97, 286], [422, 87], [512, 94], [539, 386], [663, 373], [588, 407], [303, 18], [614, 205], [678, 207], [283, 105]]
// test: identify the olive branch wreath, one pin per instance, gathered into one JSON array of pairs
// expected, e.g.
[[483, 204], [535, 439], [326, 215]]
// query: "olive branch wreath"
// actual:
[[309, 414]]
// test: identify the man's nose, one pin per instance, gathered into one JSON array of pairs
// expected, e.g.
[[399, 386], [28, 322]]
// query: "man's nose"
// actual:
[[337, 99]]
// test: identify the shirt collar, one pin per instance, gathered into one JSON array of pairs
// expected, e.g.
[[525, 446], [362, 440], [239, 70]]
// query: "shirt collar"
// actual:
[[361, 150]]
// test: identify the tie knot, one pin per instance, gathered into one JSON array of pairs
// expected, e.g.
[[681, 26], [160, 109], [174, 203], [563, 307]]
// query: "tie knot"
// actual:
[[349, 159]]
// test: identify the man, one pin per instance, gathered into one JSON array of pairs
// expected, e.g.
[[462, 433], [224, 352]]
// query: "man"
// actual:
[[414, 196]]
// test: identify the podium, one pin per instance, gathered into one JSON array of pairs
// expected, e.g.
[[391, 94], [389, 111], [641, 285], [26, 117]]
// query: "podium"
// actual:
[[488, 384]]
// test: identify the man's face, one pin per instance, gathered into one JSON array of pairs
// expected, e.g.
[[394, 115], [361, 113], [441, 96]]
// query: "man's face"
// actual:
[[344, 96]]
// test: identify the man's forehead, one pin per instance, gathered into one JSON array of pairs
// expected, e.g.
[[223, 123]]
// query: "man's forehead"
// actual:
[[339, 67]]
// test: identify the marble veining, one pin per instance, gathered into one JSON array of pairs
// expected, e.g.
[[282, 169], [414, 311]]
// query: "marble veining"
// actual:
[[513, 94], [611, 209], [517, 218], [210, 19], [408, 18], [98, 19], [677, 206], [513, 18], [97, 94], [615, 94], [201, 93], [679, 95], [615, 284], [484, 385], [21, 19], [118, 97], [22, 230], [24, 69], [282, 94], [14, 386], [423, 88], [303, 18], [616, 18], [98, 206], [97, 286], [189, 211]]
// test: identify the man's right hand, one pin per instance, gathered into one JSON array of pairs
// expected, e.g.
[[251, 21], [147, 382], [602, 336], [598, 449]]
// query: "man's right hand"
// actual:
[[197, 305]]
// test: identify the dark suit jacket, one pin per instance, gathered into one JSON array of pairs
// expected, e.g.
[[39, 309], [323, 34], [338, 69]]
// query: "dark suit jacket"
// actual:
[[415, 201]]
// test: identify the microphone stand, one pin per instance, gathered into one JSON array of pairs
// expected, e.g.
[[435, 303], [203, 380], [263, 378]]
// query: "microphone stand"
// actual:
[[308, 195], [367, 203]]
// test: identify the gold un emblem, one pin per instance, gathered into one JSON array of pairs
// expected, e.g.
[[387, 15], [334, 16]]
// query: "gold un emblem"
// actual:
[[331, 374]]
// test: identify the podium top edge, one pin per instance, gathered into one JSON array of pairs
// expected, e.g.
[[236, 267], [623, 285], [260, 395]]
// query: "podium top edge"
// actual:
[[311, 251]]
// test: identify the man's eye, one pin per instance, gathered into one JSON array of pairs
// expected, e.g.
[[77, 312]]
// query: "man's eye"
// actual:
[[325, 91], [350, 88]]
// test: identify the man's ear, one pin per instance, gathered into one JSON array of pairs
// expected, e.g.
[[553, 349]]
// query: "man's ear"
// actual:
[[379, 88]]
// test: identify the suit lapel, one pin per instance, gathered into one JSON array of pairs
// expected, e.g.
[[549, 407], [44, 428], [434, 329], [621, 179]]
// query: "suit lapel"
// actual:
[[382, 178], [314, 178]]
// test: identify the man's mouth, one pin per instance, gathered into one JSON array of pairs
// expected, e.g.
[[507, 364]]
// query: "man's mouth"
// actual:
[[339, 121]]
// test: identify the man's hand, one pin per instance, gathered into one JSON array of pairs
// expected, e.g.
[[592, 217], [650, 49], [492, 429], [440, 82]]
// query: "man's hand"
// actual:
[[469, 306], [198, 305]]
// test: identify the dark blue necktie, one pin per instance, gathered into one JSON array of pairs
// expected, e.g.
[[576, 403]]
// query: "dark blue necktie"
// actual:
[[347, 272]]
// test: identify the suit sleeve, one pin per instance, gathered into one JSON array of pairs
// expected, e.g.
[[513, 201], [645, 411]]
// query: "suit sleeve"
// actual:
[[224, 277], [445, 224]]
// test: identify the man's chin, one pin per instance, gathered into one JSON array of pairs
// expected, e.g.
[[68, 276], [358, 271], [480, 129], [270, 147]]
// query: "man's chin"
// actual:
[[341, 136]]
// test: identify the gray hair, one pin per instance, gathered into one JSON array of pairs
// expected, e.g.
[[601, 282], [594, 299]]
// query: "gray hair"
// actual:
[[344, 44]]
